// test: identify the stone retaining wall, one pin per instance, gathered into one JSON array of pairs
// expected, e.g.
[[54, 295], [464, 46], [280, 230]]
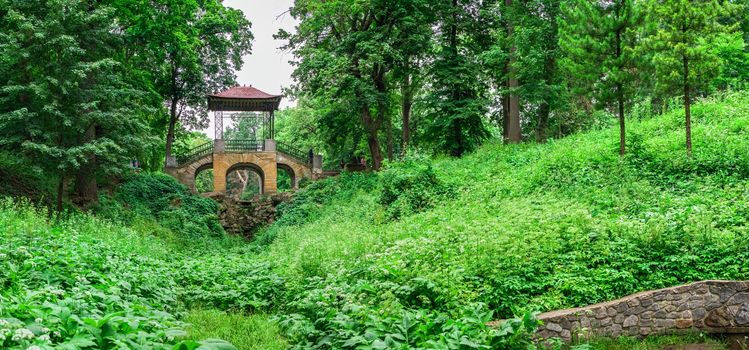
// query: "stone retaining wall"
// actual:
[[708, 306]]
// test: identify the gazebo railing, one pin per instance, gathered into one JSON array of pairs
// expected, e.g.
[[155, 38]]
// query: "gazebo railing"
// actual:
[[195, 153], [239, 146], [293, 152]]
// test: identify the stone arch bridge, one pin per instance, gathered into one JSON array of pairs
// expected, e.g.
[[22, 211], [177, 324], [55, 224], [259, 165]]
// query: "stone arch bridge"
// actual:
[[255, 149], [265, 158]]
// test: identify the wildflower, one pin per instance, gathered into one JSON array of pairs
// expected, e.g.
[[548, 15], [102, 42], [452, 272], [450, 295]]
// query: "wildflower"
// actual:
[[3, 323], [23, 334], [33, 347], [38, 320], [44, 337]]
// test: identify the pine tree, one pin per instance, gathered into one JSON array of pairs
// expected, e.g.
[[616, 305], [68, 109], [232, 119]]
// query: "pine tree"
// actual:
[[680, 35], [598, 39]]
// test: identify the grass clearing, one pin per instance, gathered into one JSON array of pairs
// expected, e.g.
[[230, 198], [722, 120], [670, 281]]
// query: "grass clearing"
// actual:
[[246, 332]]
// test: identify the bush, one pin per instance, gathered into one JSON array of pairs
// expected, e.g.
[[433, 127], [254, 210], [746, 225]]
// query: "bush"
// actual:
[[167, 201], [60, 288], [410, 186]]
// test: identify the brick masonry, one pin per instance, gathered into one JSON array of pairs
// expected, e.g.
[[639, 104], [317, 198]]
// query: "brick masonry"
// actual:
[[265, 163], [709, 306]]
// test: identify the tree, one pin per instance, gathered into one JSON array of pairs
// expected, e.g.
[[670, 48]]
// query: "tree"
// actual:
[[513, 133], [64, 100], [457, 100], [680, 37], [191, 48], [502, 58], [345, 53], [598, 39], [536, 40]]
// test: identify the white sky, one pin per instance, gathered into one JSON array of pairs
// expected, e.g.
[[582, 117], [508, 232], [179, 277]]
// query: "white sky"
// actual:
[[267, 68]]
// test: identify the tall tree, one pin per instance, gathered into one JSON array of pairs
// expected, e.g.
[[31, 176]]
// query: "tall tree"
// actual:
[[192, 48], [680, 38], [345, 53], [513, 133], [598, 38], [64, 100], [457, 99], [536, 37]]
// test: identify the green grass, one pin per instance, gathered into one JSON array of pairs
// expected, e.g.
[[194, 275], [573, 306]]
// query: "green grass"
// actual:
[[246, 332], [655, 343]]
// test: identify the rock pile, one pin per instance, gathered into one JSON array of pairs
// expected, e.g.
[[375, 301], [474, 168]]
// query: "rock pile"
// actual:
[[245, 217]]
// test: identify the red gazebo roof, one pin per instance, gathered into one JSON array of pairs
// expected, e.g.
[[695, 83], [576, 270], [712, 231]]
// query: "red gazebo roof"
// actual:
[[245, 92], [243, 98]]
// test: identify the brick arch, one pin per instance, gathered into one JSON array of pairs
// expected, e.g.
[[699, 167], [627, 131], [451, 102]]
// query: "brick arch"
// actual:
[[299, 169], [187, 174], [257, 169], [203, 167], [292, 173], [264, 161]]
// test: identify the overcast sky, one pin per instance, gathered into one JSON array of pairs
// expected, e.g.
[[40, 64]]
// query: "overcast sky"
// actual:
[[267, 68]]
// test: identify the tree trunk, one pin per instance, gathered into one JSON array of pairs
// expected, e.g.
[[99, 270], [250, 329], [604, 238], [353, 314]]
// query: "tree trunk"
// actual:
[[687, 106], [513, 122], [371, 127], [170, 130], [60, 192], [86, 188], [620, 97], [407, 103], [505, 116], [543, 122], [622, 128], [389, 132]]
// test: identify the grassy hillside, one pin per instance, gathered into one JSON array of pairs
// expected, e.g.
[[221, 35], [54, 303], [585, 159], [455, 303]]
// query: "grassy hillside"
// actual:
[[421, 255], [538, 227]]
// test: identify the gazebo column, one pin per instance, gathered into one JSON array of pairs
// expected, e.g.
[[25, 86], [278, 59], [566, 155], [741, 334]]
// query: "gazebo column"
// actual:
[[272, 126], [218, 118]]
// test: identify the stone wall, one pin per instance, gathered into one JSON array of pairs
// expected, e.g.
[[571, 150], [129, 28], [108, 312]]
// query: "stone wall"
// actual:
[[709, 306]]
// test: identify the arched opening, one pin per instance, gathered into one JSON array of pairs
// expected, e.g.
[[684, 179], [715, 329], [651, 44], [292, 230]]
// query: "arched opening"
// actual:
[[204, 178], [286, 180], [244, 181]]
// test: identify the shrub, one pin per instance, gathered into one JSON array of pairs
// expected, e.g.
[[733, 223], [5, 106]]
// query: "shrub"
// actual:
[[410, 186], [166, 200]]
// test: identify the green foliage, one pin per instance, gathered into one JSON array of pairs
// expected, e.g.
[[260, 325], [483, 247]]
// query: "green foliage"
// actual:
[[681, 34], [541, 227], [65, 97], [61, 289], [528, 228], [410, 186], [169, 202]]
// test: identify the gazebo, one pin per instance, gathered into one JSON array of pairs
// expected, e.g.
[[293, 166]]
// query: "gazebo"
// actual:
[[251, 144], [239, 99]]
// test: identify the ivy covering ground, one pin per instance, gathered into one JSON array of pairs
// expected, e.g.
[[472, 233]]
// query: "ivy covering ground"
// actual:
[[422, 255]]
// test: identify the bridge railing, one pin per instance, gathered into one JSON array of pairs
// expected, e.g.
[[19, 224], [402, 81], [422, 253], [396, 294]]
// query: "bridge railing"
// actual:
[[195, 153], [293, 153], [239, 146]]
